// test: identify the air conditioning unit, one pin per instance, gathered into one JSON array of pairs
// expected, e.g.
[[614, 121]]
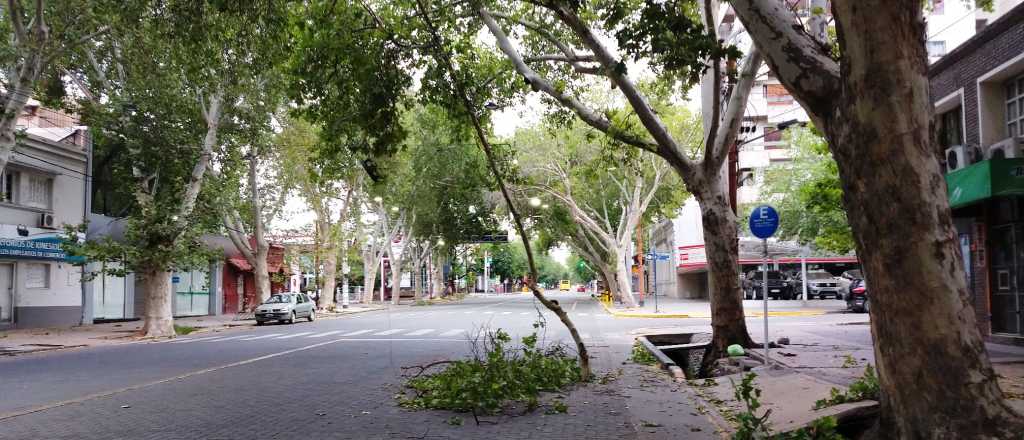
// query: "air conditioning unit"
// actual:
[[46, 220], [1004, 149], [956, 158]]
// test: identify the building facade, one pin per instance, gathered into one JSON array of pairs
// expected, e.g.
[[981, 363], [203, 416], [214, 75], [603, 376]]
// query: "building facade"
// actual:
[[43, 188], [978, 96]]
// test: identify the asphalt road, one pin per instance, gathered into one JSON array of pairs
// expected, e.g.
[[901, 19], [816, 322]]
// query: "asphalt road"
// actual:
[[332, 378]]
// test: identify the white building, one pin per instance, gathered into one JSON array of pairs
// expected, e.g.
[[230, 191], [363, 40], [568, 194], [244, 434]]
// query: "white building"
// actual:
[[43, 187]]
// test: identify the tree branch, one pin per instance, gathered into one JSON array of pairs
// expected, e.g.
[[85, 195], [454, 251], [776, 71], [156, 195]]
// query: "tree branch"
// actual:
[[797, 59], [729, 128], [538, 83]]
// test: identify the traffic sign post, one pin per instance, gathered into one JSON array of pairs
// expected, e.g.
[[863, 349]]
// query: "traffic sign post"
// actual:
[[764, 221]]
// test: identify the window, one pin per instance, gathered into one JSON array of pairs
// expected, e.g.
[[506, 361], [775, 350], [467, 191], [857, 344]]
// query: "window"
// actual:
[[1015, 107], [936, 49], [37, 275], [951, 128], [9, 186], [39, 191]]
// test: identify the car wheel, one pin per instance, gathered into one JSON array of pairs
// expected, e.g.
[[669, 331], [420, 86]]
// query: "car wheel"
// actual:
[[291, 319], [312, 315], [867, 306], [258, 323]]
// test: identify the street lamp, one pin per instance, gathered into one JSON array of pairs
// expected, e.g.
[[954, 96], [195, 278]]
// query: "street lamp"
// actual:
[[491, 105]]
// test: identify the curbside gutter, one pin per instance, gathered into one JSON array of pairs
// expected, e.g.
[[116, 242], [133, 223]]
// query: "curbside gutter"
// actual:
[[664, 361]]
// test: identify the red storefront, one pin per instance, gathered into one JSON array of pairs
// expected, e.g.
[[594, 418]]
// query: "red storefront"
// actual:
[[240, 281]]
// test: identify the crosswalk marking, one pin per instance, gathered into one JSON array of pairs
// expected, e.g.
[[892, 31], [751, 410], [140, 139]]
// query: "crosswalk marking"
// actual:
[[420, 332], [488, 313], [293, 335], [270, 335], [525, 313], [467, 312], [358, 332], [183, 341], [584, 335], [389, 332], [584, 314], [320, 335], [506, 313], [452, 332]]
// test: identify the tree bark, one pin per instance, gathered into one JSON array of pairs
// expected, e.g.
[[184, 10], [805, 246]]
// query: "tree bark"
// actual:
[[396, 278], [728, 325], [158, 319], [437, 276], [623, 282], [330, 263], [417, 282], [370, 267], [935, 375], [261, 273]]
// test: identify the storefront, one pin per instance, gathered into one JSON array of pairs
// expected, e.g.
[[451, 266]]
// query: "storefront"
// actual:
[[988, 209], [38, 286]]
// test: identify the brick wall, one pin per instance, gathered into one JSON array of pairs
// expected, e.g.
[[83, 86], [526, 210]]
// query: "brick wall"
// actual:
[[997, 43]]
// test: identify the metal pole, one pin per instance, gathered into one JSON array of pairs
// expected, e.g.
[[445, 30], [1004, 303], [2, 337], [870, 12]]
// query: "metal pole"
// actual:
[[655, 281], [803, 276], [764, 291], [382, 278], [486, 272]]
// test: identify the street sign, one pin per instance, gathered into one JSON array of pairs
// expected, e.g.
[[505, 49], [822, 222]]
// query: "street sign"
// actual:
[[660, 256], [764, 221]]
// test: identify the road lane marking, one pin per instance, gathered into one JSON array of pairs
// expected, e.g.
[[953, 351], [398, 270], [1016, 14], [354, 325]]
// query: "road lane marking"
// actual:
[[359, 332], [506, 313], [294, 335], [584, 314], [389, 332], [574, 305], [420, 332], [488, 313], [525, 313], [320, 335], [230, 338], [468, 312], [9, 415], [185, 341], [271, 335], [452, 332]]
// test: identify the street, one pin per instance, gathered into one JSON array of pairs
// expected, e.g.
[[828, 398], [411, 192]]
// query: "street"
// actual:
[[336, 378]]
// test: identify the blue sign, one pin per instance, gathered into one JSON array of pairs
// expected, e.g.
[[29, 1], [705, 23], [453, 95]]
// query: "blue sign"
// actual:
[[659, 256], [175, 279], [764, 221], [42, 248]]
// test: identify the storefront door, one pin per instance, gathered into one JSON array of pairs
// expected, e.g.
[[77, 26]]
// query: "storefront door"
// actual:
[[6, 293], [1007, 278]]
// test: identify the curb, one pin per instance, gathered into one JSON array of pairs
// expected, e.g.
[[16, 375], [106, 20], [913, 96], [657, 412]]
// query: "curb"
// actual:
[[705, 315]]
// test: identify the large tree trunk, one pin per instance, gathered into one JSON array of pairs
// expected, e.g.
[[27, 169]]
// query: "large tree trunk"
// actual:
[[262, 275], [722, 248], [417, 282], [369, 279], [158, 319], [396, 279], [936, 379], [623, 283], [437, 277], [330, 262], [936, 376]]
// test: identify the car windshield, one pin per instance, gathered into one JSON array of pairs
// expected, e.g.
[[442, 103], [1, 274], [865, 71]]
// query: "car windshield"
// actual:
[[855, 274], [279, 299], [772, 275], [818, 275]]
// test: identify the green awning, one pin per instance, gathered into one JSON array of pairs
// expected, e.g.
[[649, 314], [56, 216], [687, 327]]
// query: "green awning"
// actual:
[[985, 179]]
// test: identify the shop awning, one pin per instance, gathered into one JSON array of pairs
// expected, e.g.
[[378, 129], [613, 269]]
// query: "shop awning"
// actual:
[[985, 179]]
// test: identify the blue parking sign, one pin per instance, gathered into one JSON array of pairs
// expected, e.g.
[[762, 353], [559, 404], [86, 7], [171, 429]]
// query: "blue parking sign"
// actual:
[[764, 221]]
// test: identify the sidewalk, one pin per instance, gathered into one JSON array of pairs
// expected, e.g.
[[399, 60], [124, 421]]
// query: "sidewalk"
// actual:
[[666, 307], [21, 341]]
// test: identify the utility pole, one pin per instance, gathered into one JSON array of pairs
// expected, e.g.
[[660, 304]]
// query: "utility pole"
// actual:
[[487, 272]]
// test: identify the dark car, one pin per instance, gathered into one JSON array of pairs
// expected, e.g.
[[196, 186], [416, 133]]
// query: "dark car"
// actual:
[[820, 284], [778, 286], [857, 298]]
